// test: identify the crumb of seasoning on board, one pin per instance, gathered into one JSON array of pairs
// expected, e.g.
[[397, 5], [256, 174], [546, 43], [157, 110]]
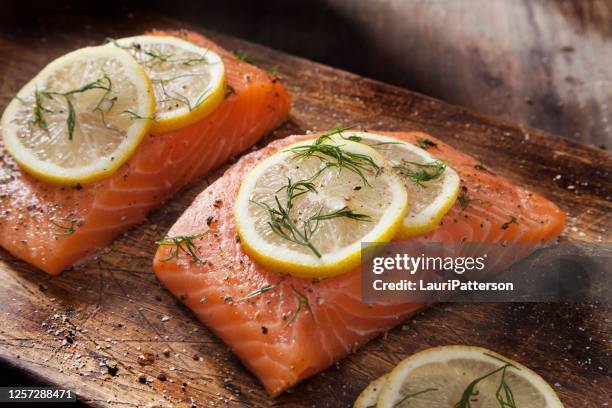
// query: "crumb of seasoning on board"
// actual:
[[165, 318], [209, 220], [146, 358], [166, 352], [162, 376], [111, 367], [217, 203], [142, 378]]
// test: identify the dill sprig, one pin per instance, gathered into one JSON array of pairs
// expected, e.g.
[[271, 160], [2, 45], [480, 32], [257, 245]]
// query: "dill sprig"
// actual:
[[425, 143], [243, 57], [359, 139], [302, 301], [39, 119], [414, 394], [177, 97], [264, 289], [134, 115], [274, 70], [104, 83], [503, 394], [420, 173], [465, 199], [512, 220], [182, 243], [333, 155], [67, 228], [156, 56], [280, 220]]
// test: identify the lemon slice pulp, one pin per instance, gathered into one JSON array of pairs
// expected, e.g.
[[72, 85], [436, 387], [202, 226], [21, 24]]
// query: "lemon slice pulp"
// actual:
[[432, 185], [189, 81], [74, 122], [440, 377], [306, 209]]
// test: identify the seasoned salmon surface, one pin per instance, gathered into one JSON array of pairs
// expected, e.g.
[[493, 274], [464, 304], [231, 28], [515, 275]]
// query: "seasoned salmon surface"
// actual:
[[53, 227], [281, 347]]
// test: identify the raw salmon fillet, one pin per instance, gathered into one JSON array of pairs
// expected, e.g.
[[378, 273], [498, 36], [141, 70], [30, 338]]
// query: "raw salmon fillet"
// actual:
[[281, 352], [36, 218]]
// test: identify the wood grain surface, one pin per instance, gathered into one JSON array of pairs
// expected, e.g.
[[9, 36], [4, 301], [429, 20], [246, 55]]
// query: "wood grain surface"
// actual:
[[111, 333], [541, 63]]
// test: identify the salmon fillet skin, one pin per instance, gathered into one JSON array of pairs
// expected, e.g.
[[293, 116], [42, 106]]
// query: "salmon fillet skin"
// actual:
[[53, 227], [281, 347]]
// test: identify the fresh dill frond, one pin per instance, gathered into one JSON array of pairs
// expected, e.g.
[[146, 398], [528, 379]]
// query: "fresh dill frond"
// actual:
[[103, 83], [155, 56], [425, 143], [359, 139], [420, 173], [177, 97], [229, 90], [274, 70], [512, 220], [412, 395], [280, 221], [333, 155], [68, 226], [134, 115], [506, 399], [71, 120], [243, 57], [465, 199], [39, 109], [302, 301], [263, 289], [184, 244], [343, 212]]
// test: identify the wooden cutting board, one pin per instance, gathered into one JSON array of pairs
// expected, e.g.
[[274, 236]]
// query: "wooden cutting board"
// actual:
[[67, 330]]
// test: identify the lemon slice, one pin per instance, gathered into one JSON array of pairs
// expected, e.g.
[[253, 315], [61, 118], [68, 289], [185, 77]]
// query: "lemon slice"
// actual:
[[431, 184], [441, 377], [369, 396], [306, 210], [189, 81], [74, 122]]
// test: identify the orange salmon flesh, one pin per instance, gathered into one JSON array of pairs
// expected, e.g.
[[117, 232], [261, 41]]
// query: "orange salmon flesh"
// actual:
[[53, 227], [281, 348]]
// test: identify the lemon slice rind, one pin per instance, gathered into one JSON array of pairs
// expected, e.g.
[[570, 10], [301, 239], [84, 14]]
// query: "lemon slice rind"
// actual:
[[369, 395], [188, 80], [103, 165], [391, 391], [287, 260], [428, 218]]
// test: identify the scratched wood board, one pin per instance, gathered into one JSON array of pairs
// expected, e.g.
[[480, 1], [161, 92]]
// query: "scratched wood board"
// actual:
[[68, 330]]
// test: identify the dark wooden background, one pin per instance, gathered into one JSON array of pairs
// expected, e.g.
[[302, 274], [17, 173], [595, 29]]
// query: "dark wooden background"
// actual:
[[542, 63], [67, 330]]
